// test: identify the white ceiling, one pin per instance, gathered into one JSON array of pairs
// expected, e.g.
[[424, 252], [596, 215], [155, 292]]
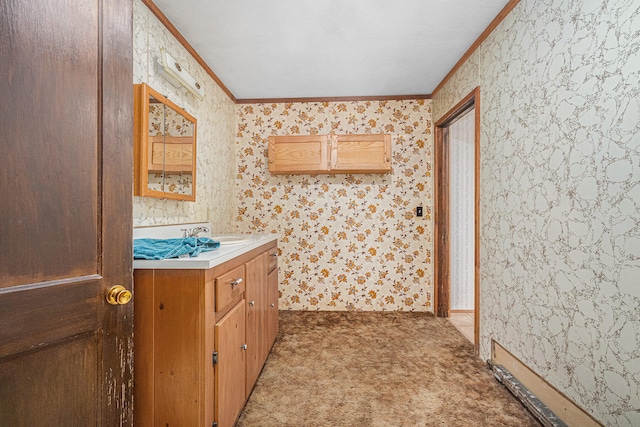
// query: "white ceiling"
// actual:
[[330, 48]]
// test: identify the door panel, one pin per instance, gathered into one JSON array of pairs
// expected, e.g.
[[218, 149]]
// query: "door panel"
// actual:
[[74, 379], [34, 317], [65, 234], [51, 107]]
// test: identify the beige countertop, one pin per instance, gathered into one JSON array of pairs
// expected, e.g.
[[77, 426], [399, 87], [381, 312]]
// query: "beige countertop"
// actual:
[[232, 245]]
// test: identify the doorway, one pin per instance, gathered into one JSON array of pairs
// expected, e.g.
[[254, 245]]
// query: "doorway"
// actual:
[[457, 154]]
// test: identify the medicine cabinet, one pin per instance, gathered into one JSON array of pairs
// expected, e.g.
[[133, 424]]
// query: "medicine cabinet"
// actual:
[[164, 147]]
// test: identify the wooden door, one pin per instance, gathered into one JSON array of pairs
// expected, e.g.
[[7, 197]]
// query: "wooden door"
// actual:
[[230, 370], [256, 300], [65, 209]]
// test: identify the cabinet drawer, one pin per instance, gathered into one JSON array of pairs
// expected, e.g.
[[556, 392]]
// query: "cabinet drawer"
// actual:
[[273, 259], [230, 287]]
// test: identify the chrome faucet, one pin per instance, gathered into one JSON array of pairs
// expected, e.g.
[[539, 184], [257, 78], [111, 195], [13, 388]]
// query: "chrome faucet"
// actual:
[[194, 231]]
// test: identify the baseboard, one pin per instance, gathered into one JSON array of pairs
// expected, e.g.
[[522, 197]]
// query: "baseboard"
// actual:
[[563, 407]]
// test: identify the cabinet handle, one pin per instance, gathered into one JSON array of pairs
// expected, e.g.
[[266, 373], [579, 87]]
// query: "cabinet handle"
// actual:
[[236, 282], [243, 347], [273, 255], [252, 303], [273, 305]]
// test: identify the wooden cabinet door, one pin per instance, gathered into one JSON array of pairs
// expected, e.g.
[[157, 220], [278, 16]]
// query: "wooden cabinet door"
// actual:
[[361, 153], [230, 369], [256, 300], [298, 154], [272, 315], [65, 234]]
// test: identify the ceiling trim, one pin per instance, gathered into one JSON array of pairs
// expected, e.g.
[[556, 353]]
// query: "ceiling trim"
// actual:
[[332, 99], [174, 31], [492, 26]]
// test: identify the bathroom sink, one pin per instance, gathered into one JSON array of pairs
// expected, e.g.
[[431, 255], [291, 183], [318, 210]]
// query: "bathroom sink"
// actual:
[[232, 239]]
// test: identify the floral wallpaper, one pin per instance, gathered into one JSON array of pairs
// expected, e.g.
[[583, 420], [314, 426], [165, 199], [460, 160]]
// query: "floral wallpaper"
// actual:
[[166, 121], [215, 181], [348, 242], [560, 196]]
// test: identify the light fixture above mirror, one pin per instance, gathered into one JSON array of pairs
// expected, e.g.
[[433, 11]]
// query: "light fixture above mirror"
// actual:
[[176, 74]]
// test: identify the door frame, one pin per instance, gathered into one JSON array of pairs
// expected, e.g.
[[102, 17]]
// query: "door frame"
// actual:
[[441, 229]]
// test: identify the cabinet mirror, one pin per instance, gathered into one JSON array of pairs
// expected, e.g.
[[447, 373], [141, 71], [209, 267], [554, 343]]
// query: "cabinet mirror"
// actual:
[[165, 147]]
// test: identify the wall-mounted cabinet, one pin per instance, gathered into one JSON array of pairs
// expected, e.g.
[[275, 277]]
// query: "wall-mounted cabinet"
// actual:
[[165, 147], [330, 154]]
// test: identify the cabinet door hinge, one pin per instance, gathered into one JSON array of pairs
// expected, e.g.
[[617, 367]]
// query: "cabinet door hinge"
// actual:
[[214, 358]]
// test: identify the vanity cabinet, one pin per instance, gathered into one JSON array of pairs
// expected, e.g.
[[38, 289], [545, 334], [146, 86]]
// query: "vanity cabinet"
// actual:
[[330, 154], [200, 342]]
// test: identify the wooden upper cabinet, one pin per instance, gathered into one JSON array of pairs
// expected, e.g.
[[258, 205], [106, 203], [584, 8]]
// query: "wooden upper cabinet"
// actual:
[[361, 153], [299, 154], [329, 154]]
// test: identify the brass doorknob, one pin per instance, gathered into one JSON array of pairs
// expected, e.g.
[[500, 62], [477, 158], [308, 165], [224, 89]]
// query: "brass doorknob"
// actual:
[[118, 295]]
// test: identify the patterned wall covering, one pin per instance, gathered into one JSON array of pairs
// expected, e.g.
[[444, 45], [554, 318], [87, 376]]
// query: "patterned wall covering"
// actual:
[[348, 242], [560, 196], [215, 199]]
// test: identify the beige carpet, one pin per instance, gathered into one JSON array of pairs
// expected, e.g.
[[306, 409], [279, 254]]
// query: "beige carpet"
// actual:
[[376, 369]]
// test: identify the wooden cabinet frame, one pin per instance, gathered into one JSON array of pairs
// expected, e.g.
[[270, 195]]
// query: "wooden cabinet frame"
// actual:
[[330, 154]]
